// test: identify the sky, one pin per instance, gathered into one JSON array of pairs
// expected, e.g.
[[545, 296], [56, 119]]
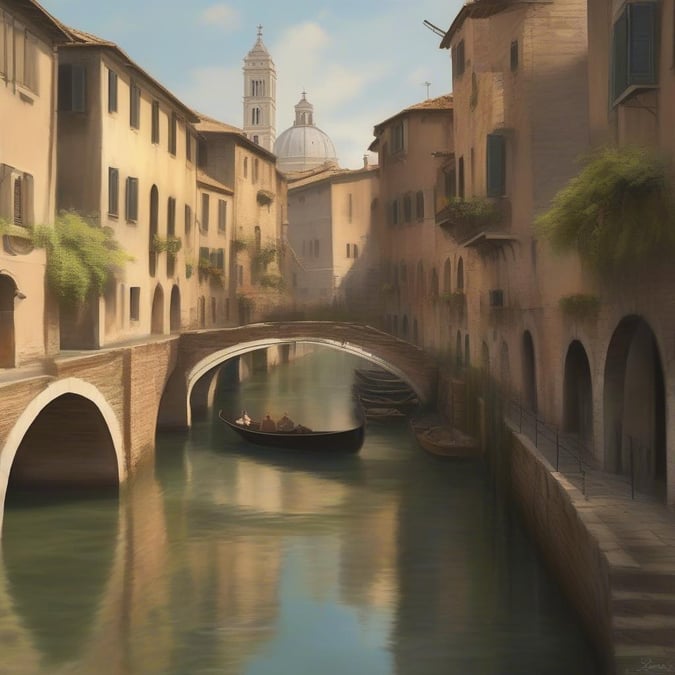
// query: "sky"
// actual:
[[360, 61]]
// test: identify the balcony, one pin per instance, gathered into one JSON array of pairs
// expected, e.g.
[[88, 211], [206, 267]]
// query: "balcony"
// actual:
[[477, 222]]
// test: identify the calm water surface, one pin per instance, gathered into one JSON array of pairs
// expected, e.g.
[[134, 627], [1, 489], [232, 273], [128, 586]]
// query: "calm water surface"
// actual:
[[231, 560]]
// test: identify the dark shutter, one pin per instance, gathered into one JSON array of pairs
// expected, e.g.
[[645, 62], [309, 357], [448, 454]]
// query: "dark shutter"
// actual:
[[72, 87], [112, 91], [113, 191], [496, 165], [641, 46], [620, 56]]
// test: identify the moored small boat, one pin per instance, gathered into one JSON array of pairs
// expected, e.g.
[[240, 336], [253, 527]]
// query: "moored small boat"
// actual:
[[316, 442], [446, 441]]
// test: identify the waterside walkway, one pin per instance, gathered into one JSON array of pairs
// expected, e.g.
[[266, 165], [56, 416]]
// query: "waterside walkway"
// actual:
[[636, 535]]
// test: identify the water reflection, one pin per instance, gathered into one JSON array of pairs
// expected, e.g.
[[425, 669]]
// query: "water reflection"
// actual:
[[236, 560]]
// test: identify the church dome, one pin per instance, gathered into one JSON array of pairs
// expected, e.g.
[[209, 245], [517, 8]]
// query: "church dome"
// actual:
[[303, 146]]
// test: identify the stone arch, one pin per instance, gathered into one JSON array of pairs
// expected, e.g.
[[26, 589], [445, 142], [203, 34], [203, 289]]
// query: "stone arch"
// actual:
[[460, 275], [154, 229], [157, 326], [529, 372], [8, 291], [485, 359], [99, 422], [635, 404], [174, 310], [577, 392], [434, 284], [447, 276]]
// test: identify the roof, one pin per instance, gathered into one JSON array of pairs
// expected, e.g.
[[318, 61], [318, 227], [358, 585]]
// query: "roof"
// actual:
[[38, 15], [328, 172], [207, 181], [81, 39], [482, 9], [210, 125], [441, 104]]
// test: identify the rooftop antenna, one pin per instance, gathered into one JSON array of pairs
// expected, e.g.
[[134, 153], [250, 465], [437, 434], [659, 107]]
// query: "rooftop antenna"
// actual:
[[434, 29], [427, 85]]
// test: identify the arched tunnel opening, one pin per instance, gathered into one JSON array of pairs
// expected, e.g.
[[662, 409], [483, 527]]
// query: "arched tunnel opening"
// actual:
[[59, 564], [67, 450]]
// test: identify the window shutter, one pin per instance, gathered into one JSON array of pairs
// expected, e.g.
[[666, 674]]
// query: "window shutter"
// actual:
[[496, 165], [112, 91], [642, 57], [620, 56]]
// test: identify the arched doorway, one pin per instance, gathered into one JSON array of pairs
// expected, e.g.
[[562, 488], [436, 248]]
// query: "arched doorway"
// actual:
[[529, 373], [578, 393], [154, 226], [174, 311], [635, 405], [7, 340], [157, 327]]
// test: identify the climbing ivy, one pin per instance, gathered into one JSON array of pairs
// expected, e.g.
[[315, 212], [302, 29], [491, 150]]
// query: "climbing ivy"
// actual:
[[81, 257], [618, 212]]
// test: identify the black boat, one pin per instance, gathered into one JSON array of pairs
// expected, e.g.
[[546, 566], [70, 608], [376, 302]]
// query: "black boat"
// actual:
[[316, 442]]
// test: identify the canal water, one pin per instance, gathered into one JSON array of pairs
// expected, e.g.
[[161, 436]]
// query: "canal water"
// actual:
[[239, 561]]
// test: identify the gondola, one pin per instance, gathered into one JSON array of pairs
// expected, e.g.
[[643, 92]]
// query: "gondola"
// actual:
[[316, 442]]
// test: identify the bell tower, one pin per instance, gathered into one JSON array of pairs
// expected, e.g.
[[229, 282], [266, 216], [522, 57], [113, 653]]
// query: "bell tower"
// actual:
[[260, 93]]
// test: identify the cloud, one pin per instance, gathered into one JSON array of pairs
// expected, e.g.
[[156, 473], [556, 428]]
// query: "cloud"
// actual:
[[221, 15]]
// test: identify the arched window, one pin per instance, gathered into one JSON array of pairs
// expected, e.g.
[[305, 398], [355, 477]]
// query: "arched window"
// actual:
[[460, 275], [447, 276]]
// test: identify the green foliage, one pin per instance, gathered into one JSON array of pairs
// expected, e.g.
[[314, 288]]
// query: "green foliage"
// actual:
[[580, 305], [238, 245], [272, 281], [476, 211], [618, 212], [188, 270], [81, 257], [170, 245], [454, 299], [12, 230], [265, 256]]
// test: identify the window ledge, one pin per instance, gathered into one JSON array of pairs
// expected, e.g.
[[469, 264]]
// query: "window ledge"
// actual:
[[630, 91]]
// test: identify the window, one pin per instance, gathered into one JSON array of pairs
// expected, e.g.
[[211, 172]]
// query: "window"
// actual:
[[257, 87], [132, 200], [171, 217], [135, 106], [155, 122], [316, 248], [113, 191], [205, 212], [135, 303], [188, 145], [514, 55], [245, 167], [240, 275], [222, 215], [18, 218], [213, 310], [496, 165], [173, 132], [397, 137], [25, 58], [460, 178], [419, 205], [4, 45], [394, 212], [349, 207], [254, 173], [112, 91], [458, 60], [256, 139], [355, 250], [407, 208], [634, 49], [255, 116], [72, 87], [188, 219]]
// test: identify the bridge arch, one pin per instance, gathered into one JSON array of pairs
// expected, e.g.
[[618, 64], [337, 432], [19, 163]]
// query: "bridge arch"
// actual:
[[60, 390], [219, 357]]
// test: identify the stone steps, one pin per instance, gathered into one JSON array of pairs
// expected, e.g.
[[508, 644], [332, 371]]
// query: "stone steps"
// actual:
[[645, 579], [637, 603]]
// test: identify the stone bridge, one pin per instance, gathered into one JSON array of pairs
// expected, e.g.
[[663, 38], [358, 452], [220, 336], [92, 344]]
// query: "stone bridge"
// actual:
[[90, 418]]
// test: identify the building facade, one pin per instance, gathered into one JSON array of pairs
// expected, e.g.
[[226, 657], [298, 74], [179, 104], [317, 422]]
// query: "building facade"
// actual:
[[28, 35]]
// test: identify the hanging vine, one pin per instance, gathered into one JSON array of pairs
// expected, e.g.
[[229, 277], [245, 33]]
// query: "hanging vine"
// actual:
[[618, 212]]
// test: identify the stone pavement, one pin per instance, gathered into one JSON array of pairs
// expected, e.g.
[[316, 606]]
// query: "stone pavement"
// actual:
[[636, 533]]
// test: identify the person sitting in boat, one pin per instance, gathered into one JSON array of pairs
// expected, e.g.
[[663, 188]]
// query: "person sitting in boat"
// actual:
[[268, 424], [285, 423], [244, 420]]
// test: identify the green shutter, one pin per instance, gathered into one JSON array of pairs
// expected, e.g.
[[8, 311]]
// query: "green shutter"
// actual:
[[642, 53], [496, 165]]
